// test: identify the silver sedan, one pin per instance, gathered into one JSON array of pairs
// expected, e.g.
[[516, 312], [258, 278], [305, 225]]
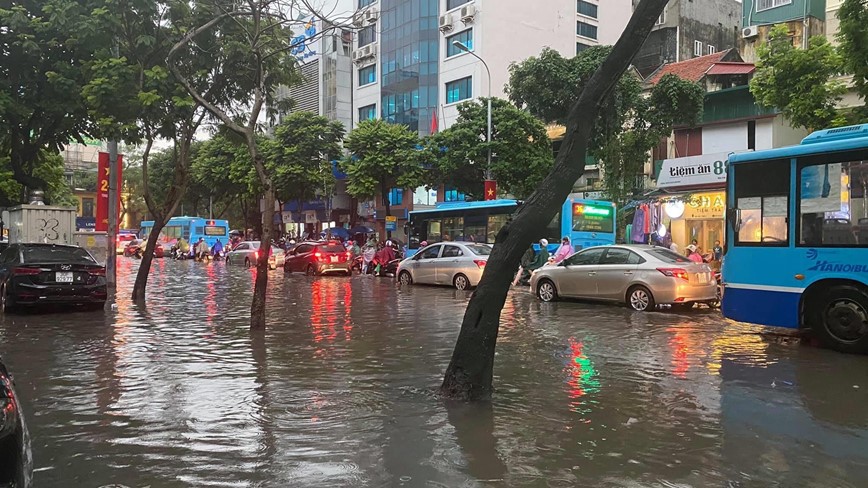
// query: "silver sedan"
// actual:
[[640, 276], [458, 264], [247, 253]]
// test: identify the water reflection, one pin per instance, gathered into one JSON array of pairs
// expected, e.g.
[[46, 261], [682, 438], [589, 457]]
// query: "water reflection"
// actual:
[[339, 391]]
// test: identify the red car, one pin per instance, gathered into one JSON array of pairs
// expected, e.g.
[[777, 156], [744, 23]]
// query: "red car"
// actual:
[[319, 258]]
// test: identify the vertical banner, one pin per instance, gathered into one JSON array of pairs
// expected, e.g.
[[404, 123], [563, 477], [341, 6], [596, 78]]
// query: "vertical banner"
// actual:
[[102, 187], [490, 190]]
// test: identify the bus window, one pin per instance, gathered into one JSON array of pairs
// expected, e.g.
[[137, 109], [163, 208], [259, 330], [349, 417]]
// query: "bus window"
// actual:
[[552, 232], [474, 228], [761, 196], [453, 229], [433, 231], [831, 204], [495, 223]]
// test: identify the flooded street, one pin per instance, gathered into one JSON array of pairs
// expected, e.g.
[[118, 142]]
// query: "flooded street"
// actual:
[[339, 391]]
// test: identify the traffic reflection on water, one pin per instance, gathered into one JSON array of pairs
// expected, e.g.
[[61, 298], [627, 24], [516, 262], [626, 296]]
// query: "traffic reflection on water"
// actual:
[[340, 391]]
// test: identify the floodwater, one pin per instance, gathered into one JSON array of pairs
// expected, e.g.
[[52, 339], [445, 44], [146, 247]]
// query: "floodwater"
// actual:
[[340, 391]]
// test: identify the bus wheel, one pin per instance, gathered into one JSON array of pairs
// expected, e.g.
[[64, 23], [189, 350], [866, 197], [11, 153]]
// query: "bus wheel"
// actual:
[[841, 319]]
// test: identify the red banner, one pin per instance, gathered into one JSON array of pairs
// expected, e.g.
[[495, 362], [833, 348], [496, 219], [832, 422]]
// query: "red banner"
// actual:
[[102, 187], [490, 190]]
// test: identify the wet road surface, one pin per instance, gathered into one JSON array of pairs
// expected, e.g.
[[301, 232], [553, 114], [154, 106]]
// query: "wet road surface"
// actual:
[[339, 392]]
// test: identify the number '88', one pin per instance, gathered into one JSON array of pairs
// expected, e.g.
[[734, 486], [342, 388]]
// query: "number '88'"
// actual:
[[719, 167]]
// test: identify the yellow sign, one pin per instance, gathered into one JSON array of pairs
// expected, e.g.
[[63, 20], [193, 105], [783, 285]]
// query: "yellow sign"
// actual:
[[391, 218], [705, 206]]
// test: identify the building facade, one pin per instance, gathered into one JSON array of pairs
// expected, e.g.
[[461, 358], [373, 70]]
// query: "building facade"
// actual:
[[688, 29], [803, 18]]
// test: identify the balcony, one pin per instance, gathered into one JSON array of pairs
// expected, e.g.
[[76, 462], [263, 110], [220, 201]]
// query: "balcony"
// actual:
[[732, 104]]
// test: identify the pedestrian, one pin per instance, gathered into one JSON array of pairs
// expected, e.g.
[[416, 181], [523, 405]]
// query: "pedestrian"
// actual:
[[564, 250], [693, 254], [526, 259], [539, 260], [717, 251]]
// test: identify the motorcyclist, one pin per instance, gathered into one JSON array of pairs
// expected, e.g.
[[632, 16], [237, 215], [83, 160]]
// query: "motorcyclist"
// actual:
[[217, 249], [183, 247], [202, 249]]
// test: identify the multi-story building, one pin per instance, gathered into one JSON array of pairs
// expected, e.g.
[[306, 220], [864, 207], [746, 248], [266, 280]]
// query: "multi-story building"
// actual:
[[688, 29], [803, 18], [326, 89], [409, 70]]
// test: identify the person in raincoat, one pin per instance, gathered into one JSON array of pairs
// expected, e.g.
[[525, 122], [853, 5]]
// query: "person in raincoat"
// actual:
[[368, 254], [526, 259], [564, 250], [539, 260], [202, 249], [217, 249]]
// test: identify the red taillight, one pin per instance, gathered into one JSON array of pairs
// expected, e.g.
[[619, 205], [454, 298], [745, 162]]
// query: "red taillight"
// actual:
[[349, 254], [674, 272], [317, 254], [480, 262], [27, 271], [96, 271]]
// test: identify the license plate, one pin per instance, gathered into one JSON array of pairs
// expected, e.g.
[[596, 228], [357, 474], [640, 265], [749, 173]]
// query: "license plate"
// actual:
[[334, 259], [63, 277], [703, 277]]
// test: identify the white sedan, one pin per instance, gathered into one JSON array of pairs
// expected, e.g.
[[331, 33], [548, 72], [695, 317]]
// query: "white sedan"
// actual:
[[247, 253], [458, 264]]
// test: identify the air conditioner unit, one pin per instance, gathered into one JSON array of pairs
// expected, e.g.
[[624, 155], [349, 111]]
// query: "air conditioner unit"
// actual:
[[751, 31], [445, 23], [365, 52], [357, 55], [371, 15], [468, 12], [372, 50]]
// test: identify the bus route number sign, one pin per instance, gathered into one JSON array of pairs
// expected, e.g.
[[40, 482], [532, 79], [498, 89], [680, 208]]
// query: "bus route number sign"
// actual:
[[589, 218]]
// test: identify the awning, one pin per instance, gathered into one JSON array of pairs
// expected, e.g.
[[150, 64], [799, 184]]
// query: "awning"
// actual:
[[731, 69]]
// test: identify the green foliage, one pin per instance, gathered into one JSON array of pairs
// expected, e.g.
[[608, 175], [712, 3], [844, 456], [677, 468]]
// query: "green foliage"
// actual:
[[521, 150], [382, 156], [853, 48], [222, 164], [799, 82], [49, 171], [629, 124], [299, 158], [46, 47]]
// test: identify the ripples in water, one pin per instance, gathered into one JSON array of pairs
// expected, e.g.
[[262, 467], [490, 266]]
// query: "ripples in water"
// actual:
[[340, 390]]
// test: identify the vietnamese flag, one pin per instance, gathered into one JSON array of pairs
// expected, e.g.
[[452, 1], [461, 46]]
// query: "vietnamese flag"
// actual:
[[490, 190]]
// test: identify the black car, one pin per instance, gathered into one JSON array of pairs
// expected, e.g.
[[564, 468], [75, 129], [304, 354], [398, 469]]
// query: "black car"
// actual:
[[33, 274], [16, 462]]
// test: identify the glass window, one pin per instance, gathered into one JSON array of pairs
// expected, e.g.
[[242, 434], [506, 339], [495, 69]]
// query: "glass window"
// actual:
[[434, 227], [450, 4], [459, 90], [465, 38], [396, 196], [453, 195], [367, 35], [367, 75], [581, 47], [635, 259], [87, 207], [616, 255], [767, 4], [586, 257], [56, 254], [452, 252], [303, 249], [452, 229], [495, 223], [586, 30], [200, 230], [10, 255], [430, 253], [667, 256], [365, 3], [368, 112], [697, 48], [586, 8], [761, 197], [552, 232], [710, 49], [832, 208], [480, 250]]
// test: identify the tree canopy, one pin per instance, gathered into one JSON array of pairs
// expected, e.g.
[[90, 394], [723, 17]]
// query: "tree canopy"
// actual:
[[521, 150], [801, 83], [853, 48]]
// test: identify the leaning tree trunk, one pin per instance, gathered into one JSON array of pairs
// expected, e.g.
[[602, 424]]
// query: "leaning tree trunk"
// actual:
[[470, 372], [147, 258], [257, 307]]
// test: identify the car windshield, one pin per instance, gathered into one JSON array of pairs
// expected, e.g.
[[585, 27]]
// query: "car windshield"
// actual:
[[254, 245], [667, 256], [480, 250], [56, 254], [332, 248]]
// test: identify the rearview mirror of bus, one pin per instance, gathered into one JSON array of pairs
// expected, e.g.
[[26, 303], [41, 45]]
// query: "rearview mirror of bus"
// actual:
[[733, 218]]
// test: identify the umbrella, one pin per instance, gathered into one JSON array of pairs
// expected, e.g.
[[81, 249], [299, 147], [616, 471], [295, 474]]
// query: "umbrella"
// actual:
[[338, 232], [361, 229]]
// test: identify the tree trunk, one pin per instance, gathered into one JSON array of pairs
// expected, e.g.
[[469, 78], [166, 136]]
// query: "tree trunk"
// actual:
[[257, 307], [147, 258], [470, 372], [387, 201]]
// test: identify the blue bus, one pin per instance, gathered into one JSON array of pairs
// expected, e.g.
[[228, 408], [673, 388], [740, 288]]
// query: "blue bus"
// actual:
[[586, 222], [797, 237], [190, 228]]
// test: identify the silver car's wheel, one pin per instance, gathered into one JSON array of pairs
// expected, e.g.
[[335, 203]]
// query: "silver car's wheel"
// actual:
[[461, 282], [246, 263], [405, 278], [546, 291], [640, 299]]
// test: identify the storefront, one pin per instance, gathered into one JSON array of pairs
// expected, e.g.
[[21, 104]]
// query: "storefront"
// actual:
[[690, 203]]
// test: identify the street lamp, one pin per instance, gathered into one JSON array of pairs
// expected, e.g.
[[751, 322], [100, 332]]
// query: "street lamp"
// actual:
[[466, 49]]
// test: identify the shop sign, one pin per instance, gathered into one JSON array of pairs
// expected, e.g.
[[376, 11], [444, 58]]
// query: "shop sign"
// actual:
[[705, 169], [705, 206], [391, 222], [310, 217], [287, 217]]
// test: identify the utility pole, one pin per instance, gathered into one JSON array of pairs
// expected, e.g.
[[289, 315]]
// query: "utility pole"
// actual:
[[111, 256]]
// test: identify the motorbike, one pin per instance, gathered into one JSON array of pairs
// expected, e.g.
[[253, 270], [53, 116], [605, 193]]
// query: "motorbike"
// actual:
[[718, 278]]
